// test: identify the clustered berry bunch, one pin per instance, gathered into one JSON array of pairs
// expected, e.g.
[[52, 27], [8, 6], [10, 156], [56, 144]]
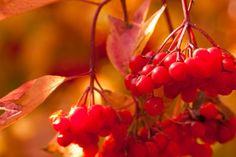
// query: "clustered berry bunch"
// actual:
[[84, 126], [211, 70], [174, 137], [191, 76]]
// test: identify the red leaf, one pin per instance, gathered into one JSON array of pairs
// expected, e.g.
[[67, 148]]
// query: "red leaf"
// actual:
[[27, 97], [9, 8], [141, 14], [125, 41]]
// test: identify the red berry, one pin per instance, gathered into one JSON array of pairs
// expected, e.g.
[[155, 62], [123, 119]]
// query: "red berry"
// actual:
[[232, 123], [173, 149], [228, 64], [125, 117], [90, 151], [209, 110], [225, 134], [160, 75], [137, 62], [137, 149], [189, 94], [61, 124], [154, 106], [159, 57], [172, 90], [151, 149], [201, 150], [201, 53], [64, 139], [197, 129], [144, 84], [78, 119], [178, 71], [147, 69], [169, 59], [215, 53], [128, 81], [95, 120], [161, 140]]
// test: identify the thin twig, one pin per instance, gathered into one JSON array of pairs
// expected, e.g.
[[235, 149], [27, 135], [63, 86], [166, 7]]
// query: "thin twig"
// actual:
[[93, 49], [168, 38], [125, 13], [168, 19], [205, 34]]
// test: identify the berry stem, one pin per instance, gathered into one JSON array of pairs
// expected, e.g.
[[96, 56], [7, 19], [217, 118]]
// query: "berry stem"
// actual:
[[93, 49], [168, 19], [205, 34], [185, 11], [182, 36], [125, 13], [168, 38]]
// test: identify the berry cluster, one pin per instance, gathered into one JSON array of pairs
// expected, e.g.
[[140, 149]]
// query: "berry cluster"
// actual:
[[84, 126], [211, 70], [174, 137]]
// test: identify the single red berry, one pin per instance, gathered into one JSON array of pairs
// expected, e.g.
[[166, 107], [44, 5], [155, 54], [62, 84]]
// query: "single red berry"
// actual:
[[95, 120], [215, 53], [201, 53], [159, 58], [172, 90], [78, 119], [228, 64], [197, 129], [161, 140], [64, 139], [137, 149], [209, 110], [169, 59], [144, 84], [232, 123], [90, 151], [224, 83], [61, 124], [147, 69], [154, 106], [201, 150], [125, 117], [160, 75], [173, 149], [137, 62], [178, 71], [189, 94], [225, 134], [151, 149], [149, 54], [128, 81]]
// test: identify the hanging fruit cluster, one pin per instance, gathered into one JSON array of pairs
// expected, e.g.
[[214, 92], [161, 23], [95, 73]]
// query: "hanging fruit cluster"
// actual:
[[211, 70], [177, 110]]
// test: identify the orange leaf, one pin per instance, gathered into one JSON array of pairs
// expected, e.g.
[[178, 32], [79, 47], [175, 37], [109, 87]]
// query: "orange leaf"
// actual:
[[118, 101], [26, 98], [9, 8], [125, 41]]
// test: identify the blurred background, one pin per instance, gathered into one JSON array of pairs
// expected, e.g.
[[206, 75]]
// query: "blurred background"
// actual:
[[55, 40]]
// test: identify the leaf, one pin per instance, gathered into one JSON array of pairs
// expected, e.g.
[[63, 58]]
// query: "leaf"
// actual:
[[141, 14], [118, 101], [27, 97], [9, 8], [125, 41]]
